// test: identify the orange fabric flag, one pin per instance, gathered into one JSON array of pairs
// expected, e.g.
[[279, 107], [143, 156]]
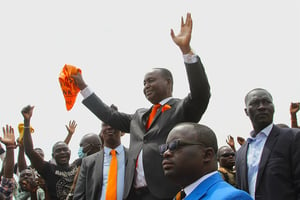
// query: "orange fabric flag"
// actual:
[[21, 131], [67, 84]]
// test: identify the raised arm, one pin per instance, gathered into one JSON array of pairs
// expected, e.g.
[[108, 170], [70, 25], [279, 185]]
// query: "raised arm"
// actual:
[[71, 129], [9, 140], [21, 157], [35, 159], [294, 108]]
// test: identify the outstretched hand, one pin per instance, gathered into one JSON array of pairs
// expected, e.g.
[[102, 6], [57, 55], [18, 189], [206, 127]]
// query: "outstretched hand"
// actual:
[[72, 126], [27, 112], [230, 141], [184, 37], [8, 136], [79, 80]]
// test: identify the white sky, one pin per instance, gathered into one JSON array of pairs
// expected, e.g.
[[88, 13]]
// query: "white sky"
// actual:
[[242, 44]]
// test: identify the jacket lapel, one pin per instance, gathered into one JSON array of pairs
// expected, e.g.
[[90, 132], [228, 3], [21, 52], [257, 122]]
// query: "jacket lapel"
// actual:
[[271, 141]]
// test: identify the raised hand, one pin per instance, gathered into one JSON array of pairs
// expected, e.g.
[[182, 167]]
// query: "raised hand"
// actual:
[[79, 81], [27, 112], [184, 37], [240, 140], [230, 142], [72, 126], [294, 108], [8, 136]]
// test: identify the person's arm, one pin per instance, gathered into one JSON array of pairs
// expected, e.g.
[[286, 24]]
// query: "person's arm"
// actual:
[[230, 142], [21, 157], [198, 98], [294, 108], [71, 129], [35, 159], [9, 140]]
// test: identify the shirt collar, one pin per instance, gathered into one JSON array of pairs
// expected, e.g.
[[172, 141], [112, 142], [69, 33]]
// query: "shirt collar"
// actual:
[[163, 102], [118, 149], [188, 189], [266, 131]]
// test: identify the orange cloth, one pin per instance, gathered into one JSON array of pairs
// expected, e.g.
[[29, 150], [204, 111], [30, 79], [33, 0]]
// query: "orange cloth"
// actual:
[[111, 189], [152, 115], [21, 131], [67, 84]]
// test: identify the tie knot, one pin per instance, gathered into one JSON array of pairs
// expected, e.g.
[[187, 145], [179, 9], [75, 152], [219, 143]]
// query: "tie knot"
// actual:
[[156, 106], [113, 152]]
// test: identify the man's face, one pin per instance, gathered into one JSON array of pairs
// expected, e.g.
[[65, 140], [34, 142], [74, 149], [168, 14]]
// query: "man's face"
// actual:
[[184, 163], [260, 109], [111, 136], [26, 179], [61, 153], [226, 157], [156, 87]]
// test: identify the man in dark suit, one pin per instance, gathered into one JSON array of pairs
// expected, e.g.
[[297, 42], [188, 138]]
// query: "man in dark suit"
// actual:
[[190, 160], [268, 164], [93, 176], [144, 177]]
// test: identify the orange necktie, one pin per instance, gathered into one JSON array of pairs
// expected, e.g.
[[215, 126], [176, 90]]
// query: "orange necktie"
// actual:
[[111, 189], [180, 195], [152, 115]]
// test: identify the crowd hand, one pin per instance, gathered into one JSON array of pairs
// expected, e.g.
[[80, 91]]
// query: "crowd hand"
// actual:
[[8, 136], [240, 140], [294, 108], [230, 141], [72, 126], [184, 37], [27, 112]]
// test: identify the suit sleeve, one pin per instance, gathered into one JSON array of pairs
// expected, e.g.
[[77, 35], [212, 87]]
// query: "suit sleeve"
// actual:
[[197, 101], [79, 192]]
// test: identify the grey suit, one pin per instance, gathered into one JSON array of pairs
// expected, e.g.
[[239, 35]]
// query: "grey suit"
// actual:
[[191, 108], [278, 174], [90, 179]]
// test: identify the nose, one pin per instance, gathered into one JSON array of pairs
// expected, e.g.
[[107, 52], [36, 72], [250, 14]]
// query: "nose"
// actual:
[[167, 153]]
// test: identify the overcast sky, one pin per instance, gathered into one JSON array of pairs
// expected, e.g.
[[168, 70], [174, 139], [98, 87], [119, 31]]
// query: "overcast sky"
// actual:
[[242, 44]]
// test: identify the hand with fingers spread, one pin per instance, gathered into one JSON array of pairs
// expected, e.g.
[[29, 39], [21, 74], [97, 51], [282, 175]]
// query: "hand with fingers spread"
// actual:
[[8, 136], [240, 140], [71, 129], [230, 142], [184, 37]]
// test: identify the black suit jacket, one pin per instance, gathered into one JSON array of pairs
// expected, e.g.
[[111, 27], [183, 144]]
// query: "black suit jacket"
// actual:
[[90, 179], [191, 108], [278, 174]]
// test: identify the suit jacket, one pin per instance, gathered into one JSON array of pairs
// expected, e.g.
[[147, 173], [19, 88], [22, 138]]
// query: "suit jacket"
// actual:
[[215, 188], [278, 174], [90, 179], [191, 108]]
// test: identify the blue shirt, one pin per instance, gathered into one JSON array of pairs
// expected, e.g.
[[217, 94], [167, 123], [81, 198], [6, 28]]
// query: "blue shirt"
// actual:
[[255, 149], [121, 171]]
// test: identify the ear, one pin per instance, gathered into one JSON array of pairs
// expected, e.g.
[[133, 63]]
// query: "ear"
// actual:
[[209, 154]]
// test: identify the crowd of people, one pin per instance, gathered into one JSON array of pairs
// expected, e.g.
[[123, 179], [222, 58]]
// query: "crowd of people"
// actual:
[[170, 156]]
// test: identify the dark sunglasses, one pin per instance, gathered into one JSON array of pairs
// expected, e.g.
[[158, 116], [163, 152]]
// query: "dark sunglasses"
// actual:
[[228, 154], [174, 145]]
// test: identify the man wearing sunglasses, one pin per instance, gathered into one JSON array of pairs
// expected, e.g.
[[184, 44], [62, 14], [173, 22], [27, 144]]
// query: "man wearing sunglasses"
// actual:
[[190, 161], [226, 159]]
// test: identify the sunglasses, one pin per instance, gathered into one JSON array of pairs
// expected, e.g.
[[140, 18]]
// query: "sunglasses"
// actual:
[[228, 154], [174, 145]]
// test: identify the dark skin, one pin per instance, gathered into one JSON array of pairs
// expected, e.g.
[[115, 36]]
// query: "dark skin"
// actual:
[[61, 151], [91, 143], [226, 162], [9, 140], [111, 137], [188, 163], [259, 108], [27, 182]]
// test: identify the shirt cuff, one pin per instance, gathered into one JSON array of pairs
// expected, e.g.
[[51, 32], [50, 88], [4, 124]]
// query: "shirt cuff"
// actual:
[[189, 59], [86, 92]]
